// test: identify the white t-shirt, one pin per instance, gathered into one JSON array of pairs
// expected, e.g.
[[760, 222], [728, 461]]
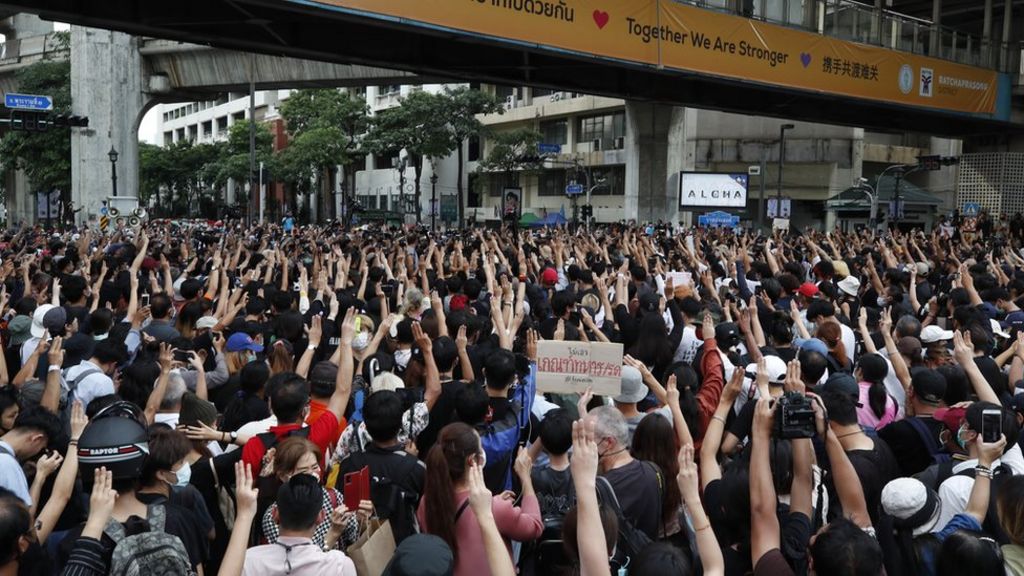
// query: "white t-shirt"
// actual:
[[688, 346], [90, 387]]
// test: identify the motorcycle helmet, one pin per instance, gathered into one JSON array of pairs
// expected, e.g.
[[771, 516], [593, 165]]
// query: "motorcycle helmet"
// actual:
[[115, 438]]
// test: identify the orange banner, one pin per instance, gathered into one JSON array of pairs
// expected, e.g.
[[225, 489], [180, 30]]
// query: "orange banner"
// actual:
[[678, 36]]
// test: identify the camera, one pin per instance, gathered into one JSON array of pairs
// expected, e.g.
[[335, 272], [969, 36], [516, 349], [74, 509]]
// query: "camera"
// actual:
[[794, 417]]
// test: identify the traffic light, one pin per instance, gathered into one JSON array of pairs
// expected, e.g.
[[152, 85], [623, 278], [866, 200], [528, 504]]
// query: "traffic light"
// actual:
[[33, 121]]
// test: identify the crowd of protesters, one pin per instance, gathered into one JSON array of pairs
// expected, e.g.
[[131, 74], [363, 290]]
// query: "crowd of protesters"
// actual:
[[200, 400]]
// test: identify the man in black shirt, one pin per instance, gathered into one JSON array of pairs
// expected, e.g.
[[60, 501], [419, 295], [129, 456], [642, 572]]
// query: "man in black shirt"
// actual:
[[397, 477], [914, 440]]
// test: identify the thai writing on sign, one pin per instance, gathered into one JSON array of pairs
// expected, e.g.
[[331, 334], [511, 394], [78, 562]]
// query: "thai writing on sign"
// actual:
[[570, 367]]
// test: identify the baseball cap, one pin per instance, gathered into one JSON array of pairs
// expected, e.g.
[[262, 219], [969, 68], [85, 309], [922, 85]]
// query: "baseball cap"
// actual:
[[727, 335], [206, 322], [421, 555], [812, 344], [241, 341], [911, 504], [649, 302], [850, 285], [549, 276], [20, 328], [633, 388], [952, 418], [923, 269], [933, 333], [808, 290], [842, 383], [42, 320], [929, 386], [998, 330], [774, 366]]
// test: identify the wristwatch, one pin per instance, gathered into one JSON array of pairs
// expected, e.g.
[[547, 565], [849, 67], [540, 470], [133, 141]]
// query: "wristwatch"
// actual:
[[233, 435]]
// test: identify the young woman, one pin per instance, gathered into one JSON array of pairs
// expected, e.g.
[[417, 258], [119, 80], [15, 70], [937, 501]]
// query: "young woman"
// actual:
[[877, 407], [444, 511]]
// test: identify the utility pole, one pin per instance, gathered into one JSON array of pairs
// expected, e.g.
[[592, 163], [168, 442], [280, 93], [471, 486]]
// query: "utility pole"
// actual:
[[782, 159], [252, 136]]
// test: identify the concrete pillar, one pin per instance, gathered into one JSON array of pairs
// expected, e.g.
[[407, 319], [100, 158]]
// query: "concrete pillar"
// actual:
[[942, 182], [1004, 46], [935, 38], [107, 85], [659, 143], [24, 25], [986, 34]]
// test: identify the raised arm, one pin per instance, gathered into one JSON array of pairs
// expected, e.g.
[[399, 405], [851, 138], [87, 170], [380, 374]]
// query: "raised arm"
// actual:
[[432, 387], [343, 384], [707, 545], [709, 468], [590, 537], [963, 352], [157, 395], [765, 535]]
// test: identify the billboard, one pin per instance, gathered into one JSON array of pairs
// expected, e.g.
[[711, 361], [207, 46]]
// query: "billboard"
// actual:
[[675, 36], [718, 189]]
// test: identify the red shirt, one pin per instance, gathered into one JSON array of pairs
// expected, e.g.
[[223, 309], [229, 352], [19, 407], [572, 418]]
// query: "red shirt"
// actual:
[[317, 409], [321, 433]]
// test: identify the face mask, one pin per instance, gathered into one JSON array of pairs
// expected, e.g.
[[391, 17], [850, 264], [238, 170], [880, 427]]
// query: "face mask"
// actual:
[[402, 357], [183, 475], [250, 357], [959, 438], [361, 341], [881, 301]]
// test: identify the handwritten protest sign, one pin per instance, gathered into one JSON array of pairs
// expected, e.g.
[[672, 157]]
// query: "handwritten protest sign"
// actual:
[[569, 367], [680, 278]]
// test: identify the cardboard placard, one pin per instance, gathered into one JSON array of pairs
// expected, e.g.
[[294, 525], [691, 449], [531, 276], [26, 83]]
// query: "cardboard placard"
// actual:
[[680, 278], [570, 367]]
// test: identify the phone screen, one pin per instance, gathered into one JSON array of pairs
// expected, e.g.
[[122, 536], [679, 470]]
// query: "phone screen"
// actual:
[[991, 425]]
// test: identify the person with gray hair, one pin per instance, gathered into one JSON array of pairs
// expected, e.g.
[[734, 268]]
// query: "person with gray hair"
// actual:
[[637, 484], [170, 404]]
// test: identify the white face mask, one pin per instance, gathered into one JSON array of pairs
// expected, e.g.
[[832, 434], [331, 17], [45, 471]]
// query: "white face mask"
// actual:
[[882, 302], [183, 475], [402, 357], [361, 341]]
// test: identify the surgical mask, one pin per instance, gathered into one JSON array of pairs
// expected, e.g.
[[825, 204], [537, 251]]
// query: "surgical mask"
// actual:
[[959, 438], [881, 301], [361, 341], [183, 475], [402, 357], [250, 357]]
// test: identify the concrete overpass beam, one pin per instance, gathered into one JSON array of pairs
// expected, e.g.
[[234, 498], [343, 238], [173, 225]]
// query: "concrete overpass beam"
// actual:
[[1004, 47], [660, 142], [23, 25], [935, 38], [108, 86]]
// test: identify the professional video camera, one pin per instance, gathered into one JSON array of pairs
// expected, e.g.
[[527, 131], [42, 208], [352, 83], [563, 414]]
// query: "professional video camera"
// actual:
[[794, 417]]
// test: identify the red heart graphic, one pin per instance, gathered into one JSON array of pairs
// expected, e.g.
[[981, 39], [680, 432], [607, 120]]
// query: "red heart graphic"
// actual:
[[600, 18]]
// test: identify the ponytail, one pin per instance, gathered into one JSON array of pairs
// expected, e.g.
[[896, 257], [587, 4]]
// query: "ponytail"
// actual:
[[877, 397], [446, 463]]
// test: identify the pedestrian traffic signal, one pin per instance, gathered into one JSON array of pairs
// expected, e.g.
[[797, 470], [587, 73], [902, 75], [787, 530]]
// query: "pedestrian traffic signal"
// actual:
[[31, 121]]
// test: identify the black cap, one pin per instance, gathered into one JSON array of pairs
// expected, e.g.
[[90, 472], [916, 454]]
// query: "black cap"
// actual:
[[421, 555], [929, 386], [649, 302], [727, 335], [843, 383]]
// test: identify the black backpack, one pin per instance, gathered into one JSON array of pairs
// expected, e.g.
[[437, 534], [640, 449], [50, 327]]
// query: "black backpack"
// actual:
[[269, 485], [632, 540], [391, 501]]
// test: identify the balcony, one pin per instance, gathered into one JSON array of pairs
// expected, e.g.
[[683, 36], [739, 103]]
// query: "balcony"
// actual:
[[860, 22]]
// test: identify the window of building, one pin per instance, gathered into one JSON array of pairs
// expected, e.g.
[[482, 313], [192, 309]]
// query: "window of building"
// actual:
[[222, 125], [238, 116], [555, 131], [168, 138], [208, 129], [614, 180], [385, 161], [542, 92], [609, 129], [388, 89], [473, 195], [503, 92], [193, 132], [552, 182], [179, 134], [496, 183], [473, 149]]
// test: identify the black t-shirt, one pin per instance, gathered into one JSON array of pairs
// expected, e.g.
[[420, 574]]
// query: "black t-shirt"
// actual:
[[638, 489], [403, 469], [440, 415], [744, 421], [911, 453], [556, 493], [203, 481], [875, 468]]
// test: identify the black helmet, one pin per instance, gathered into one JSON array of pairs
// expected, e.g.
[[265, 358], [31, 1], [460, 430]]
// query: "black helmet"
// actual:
[[115, 438]]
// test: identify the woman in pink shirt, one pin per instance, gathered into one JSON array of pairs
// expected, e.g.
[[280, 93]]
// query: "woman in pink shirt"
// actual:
[[877, 408], [444, 509]]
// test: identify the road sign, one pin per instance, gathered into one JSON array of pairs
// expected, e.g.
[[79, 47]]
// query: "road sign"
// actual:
[[543, 148], [574, 189], [28, 101], [971, 209], [718, 220], [754, 170]]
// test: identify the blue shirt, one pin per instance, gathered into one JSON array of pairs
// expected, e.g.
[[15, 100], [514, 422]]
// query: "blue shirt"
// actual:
[[11, 475], [958, 522], [289, 223]]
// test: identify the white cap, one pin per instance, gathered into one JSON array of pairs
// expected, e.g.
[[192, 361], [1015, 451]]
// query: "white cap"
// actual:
[[850, 285], [997, 329], [933, 333]]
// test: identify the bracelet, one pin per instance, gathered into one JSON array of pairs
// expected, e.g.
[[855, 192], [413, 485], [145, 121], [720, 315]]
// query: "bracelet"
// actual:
[[73, 442], [719, 418], [223, 436], [705, 527], [53, 369], [982, 472]]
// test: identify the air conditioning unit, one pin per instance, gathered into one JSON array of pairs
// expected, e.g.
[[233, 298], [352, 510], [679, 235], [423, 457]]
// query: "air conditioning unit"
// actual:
[[620, 143], [510, 101], [556, 96], [595, 146]]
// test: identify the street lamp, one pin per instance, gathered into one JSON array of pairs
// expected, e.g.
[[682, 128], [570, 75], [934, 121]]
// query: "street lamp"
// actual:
[[113, 168], [782, 157], [433, 200]]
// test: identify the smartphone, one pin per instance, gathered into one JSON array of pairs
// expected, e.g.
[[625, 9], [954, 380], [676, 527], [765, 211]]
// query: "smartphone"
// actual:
[[991, 425], [144, 299], [359, 322], [182, 356], [356, 488]]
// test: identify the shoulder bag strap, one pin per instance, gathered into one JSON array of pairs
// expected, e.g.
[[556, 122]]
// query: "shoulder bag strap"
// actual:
[[462, 509], [216, 480], [157, 518]]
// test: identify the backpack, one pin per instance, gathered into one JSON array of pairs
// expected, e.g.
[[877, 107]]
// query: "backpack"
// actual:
[[390, 500], [153, 553], [69, 394], [930, 442], [269, 485], [631, 540], [225, 501]]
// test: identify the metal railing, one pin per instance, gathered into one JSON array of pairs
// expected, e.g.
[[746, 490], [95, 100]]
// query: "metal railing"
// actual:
[[860, 22]]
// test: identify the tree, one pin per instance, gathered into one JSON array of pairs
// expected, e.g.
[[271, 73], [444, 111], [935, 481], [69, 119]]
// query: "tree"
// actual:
[[325, 126], [512, 152], [44, 156], [464, 104], [419, 126]]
